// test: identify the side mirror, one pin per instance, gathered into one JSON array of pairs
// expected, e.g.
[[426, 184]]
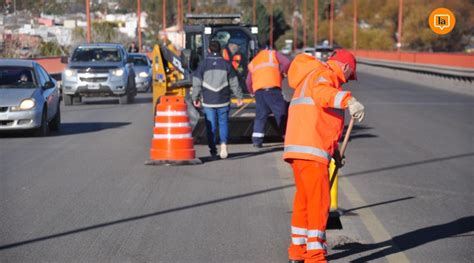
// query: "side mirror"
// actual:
[[48, 85], [64, 60]]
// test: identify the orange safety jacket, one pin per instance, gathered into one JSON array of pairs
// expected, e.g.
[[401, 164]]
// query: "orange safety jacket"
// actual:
[[234, 59], [265, 70], [316, 112]]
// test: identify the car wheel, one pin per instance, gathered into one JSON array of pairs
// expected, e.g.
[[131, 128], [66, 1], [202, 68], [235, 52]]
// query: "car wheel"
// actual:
[[56, 121], [43, 130], [68, 99]]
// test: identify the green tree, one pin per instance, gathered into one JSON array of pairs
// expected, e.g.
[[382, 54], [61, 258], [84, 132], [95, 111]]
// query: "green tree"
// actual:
[[50, 49]]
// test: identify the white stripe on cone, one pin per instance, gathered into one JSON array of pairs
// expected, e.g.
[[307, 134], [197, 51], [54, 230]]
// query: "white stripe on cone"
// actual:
[[172, 125], [172, 136]]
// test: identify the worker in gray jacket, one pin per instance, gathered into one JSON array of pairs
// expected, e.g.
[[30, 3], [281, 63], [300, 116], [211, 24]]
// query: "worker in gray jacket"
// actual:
[[213, 82]]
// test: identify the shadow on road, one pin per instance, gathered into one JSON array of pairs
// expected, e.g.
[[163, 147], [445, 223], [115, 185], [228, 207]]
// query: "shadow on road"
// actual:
[[434, 160], [145, 216], [113, 100], [359, 132], [349, 212], [406, 241]]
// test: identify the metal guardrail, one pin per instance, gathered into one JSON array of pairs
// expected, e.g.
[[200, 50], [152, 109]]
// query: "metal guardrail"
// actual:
[[452, 72]]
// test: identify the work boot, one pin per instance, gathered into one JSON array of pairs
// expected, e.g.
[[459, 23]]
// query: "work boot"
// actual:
[[224, 152]]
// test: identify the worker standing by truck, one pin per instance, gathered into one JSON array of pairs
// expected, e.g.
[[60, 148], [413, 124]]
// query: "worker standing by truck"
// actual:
[[213, 82], [315, 124], [266, 72]]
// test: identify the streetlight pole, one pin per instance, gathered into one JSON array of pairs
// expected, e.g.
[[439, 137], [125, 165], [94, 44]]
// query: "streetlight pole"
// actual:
[[354, 29], [315, 30], [254, 13], [164, 17], [88, 17], [304, 23], [400, 25], [331, 23], [139, 26], [271, 24]]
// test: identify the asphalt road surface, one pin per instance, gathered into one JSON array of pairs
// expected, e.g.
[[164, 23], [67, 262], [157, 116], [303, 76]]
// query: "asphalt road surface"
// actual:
[[85, 195]]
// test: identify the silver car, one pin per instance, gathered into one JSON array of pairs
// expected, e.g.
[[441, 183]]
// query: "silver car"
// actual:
[[99, 70], [142, 67], [29, 97]]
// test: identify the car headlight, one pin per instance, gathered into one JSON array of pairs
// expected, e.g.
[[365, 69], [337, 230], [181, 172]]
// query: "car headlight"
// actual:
[[69, 72], [117, 72], [27, 104], [143, 75]]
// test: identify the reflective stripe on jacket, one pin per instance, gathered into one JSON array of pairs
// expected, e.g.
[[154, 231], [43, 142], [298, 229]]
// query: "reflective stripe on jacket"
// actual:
[[213, 82], [265, 70], [316, 112]]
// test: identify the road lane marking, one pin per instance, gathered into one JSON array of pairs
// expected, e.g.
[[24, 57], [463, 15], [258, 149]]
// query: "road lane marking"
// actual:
[[373, 225]]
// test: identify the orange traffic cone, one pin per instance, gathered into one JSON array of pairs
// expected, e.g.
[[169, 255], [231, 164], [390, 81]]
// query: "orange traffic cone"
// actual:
[[172, 142]]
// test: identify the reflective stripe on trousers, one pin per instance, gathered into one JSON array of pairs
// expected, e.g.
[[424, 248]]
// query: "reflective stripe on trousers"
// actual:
[[316, 246], [309, 150]]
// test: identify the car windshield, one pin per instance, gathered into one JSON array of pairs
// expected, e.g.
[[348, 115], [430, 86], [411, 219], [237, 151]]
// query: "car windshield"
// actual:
[[140, 61], [88, 54], [17, 77]]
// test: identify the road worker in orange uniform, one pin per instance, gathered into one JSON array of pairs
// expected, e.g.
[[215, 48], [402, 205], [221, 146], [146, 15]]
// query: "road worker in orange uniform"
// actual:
[[232, 54], [315, 125], [266, 72]]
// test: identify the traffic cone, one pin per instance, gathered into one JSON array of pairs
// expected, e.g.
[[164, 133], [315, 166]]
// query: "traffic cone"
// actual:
[[172, 142]]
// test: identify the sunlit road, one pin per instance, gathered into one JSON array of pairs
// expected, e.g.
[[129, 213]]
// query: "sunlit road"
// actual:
[[85, 195]]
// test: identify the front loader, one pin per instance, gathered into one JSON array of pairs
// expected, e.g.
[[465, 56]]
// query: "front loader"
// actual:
[[172, 71]]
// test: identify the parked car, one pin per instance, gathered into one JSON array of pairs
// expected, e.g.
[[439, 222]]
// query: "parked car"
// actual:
[[142, 68], [99, 70], [29, 97]]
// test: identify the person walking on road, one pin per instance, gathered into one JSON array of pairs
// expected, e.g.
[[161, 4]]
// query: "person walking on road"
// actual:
[[315, 125], [213, 82], [264, 81]]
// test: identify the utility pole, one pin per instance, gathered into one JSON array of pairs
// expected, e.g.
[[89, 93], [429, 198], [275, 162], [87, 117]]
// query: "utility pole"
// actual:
[[331, 23], [88, 17], [316, 17], [254, 13], [304, 23], [354, 29], [189, 6], [139, 26], [400, 25]]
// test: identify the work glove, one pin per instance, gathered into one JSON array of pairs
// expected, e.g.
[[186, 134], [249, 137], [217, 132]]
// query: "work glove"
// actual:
[[356, 109]]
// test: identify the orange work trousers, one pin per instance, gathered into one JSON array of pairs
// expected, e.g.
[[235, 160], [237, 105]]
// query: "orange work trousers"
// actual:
[[310, 211]]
